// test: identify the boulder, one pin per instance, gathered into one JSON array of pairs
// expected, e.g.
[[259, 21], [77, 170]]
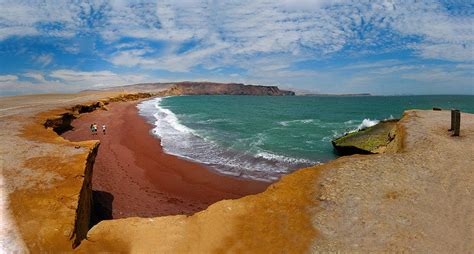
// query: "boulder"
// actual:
[[366, 141]]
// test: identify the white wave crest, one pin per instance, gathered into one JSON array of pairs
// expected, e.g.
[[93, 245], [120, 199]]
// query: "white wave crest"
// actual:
[[366, 123], [178, 138], [281, 158], [304, 121], [170, 118]]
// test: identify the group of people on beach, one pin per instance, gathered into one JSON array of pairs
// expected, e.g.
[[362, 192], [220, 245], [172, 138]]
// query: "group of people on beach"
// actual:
[[94, 128]]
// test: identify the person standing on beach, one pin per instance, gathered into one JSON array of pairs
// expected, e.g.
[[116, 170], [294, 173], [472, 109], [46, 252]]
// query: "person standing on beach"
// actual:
[[92, 128], [103, 128]]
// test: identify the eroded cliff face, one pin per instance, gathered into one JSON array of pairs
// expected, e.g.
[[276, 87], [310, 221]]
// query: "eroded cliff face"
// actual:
[[61, 122], [201, 88], [208, 88], [47, 179], [85, 204]]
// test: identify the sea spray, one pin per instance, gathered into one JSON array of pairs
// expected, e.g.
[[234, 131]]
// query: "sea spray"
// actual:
[[366, 123]]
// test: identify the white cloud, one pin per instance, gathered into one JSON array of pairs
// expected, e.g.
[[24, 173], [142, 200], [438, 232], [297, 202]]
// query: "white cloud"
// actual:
[[263, 38], [28, 87], [172, 62], [238, 33], [5, 78], [66, 81], [308, 4], [38, 18], [44, 59], [96, 78], [301, 28], [440, 75], [447, 51], [36, 76]]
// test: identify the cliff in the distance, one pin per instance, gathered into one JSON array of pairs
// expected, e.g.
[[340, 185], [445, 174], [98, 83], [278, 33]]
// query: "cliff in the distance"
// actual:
[[202, 88], [208, 88]]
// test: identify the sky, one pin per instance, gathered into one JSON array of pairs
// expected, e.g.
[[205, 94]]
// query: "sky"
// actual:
[[384, 47]]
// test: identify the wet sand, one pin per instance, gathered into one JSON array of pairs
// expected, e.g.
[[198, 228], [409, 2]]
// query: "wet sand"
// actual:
[[134, 177]]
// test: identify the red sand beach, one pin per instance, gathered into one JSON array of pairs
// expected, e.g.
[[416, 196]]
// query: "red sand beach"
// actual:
[[134, 177]]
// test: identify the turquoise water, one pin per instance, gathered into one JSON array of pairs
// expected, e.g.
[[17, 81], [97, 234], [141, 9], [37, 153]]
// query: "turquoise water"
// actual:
[[265, 137]]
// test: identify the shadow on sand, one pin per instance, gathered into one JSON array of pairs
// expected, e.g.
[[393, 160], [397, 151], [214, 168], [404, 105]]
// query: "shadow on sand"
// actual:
[[101, 207]]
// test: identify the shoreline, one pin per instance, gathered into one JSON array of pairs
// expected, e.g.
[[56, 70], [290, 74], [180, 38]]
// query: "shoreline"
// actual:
[[398, 195], [133, 176]]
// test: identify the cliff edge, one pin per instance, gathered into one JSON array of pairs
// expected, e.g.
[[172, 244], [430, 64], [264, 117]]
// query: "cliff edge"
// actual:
[[419, 198], [45, 189], [201, 88], [411, 200]]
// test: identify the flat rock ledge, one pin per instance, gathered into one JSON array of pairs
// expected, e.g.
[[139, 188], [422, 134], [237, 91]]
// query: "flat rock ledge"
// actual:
[[371, 140]]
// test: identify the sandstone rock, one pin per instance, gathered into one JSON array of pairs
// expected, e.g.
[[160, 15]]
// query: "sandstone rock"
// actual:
[[367, 141]]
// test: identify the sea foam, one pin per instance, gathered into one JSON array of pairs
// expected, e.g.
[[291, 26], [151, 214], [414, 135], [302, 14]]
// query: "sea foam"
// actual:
[[180, 140], [366, 123]]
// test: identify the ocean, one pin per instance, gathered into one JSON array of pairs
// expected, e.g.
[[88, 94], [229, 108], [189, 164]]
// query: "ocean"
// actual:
[[265, 137]]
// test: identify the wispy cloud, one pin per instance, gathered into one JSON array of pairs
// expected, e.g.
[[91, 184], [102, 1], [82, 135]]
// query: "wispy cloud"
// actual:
[[65, 80], [44, 59], [5, 78], [263, 39], [38, 77], [96, 78], [254, 27]]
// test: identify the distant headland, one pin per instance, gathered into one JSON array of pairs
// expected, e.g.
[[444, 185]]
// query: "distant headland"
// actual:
[[200, 88]]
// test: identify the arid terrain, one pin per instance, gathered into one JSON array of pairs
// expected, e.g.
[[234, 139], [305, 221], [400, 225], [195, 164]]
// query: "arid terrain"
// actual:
[[418, 196]]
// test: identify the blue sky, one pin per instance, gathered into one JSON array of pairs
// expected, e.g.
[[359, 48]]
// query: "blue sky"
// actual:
[[327, 46]]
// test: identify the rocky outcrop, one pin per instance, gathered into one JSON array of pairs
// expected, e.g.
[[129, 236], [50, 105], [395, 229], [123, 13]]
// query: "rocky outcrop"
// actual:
[[208, 88], [201, 88], [62, 122], [47, 179], [370, 140], [129, 97]]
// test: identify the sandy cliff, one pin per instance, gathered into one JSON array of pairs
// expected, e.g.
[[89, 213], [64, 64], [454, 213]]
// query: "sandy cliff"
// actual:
[[46, 180], [207, 88], [417, 198], [202, 88]]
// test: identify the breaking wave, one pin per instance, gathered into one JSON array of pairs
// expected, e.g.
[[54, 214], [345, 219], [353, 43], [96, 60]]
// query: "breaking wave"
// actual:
[[366, 123], [180, 140]]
